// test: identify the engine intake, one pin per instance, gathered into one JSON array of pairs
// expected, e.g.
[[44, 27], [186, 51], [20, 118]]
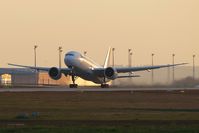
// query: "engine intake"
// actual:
[[55, 73], [110, 73]]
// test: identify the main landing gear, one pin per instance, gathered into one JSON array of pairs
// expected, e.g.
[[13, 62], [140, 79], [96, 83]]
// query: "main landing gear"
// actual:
[[104, 85], [73, 85]]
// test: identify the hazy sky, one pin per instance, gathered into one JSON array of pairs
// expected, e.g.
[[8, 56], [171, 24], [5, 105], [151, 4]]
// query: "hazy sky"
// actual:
[[162, 27]]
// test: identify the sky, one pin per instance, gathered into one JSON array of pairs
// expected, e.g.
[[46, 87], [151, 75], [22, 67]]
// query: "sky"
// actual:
[[162, 27]]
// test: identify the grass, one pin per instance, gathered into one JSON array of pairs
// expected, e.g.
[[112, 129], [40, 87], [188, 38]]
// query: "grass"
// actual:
[[110, 129], [101, 105], [102, 112]]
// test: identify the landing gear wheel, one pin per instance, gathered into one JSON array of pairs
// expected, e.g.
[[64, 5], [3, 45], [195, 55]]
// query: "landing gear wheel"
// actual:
[[73, 85], [104, 85]]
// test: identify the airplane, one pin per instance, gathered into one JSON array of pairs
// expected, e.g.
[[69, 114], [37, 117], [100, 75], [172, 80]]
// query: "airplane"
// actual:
[[85, 68]]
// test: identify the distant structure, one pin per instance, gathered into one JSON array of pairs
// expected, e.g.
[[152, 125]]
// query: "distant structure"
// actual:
[[22, 76], [130, 53], [35, 62], [130, 59], [194, 66], [35, 55], [60, 51], [17, 76], [152, 71], [173, 62]]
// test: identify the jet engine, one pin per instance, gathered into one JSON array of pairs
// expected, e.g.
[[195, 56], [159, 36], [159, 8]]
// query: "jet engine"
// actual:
[[55, 73], [110, 73]]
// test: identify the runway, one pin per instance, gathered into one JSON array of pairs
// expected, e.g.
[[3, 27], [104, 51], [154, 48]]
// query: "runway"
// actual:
[[90, 89]]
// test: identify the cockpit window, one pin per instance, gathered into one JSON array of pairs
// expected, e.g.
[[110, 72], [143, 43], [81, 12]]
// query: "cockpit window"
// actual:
[[69, 54]]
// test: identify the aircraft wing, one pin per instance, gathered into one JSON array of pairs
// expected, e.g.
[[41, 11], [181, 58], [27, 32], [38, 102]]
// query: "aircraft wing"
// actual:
[[142, 68], [66, 71], [100, 71]]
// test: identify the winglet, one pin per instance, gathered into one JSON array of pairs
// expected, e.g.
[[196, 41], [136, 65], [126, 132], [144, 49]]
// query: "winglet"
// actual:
[[106, 62]]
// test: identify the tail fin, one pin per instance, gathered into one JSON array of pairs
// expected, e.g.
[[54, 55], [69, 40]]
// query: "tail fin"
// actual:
[[107, 60]]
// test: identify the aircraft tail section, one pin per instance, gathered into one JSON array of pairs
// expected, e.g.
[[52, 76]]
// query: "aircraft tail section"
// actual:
[[107, 60]]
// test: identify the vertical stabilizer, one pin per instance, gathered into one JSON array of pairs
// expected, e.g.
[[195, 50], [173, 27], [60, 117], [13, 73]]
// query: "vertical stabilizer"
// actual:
[[107, 60]]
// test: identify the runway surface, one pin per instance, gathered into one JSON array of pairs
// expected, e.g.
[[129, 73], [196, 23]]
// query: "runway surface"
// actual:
[[89, 89]]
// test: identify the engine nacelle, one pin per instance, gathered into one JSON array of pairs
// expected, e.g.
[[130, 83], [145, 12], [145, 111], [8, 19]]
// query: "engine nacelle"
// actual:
[[55, 73], [110, 73]]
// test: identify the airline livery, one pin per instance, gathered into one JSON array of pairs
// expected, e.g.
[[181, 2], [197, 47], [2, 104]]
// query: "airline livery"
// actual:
[[83, 67]]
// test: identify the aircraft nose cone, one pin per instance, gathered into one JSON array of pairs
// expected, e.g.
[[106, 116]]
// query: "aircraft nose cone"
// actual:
[[69, 61]]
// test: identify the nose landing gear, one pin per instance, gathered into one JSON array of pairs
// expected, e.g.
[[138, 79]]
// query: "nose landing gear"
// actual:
[[73, 85]]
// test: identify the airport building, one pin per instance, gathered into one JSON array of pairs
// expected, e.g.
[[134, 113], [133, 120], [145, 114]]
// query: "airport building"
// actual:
[[17, 76], [22, 76]]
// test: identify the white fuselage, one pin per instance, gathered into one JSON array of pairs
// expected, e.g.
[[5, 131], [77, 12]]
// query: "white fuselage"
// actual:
[[83, 66]]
